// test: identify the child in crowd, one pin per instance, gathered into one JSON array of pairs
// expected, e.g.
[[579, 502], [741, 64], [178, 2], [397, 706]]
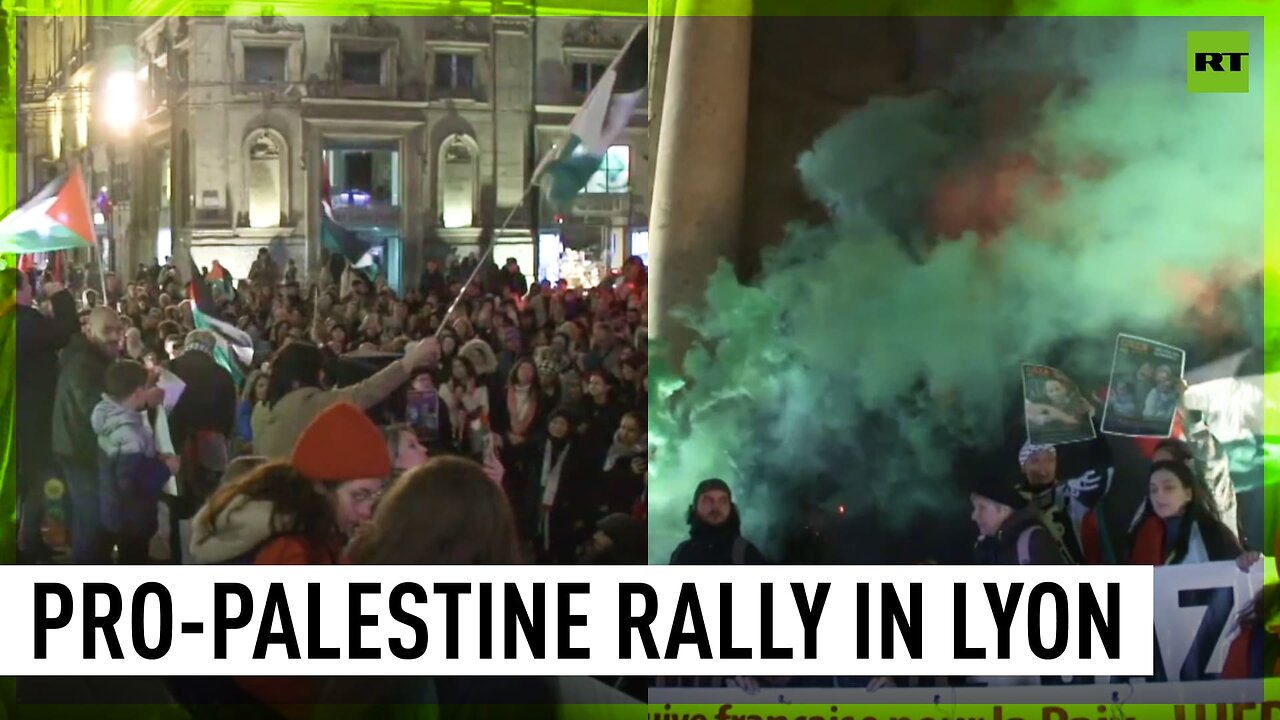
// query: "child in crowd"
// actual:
[[131, 473]]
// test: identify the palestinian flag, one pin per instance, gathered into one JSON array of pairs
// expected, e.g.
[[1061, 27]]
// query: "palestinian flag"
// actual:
[[345, 246], [235, 348], [347, 243], [56, 218], [599, 123]]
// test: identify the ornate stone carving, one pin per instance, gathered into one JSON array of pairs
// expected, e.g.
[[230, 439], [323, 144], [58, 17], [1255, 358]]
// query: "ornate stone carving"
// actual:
[[264, 147], [590, 34], [267, 24], [457, 28], [370, 26], [183, 31]]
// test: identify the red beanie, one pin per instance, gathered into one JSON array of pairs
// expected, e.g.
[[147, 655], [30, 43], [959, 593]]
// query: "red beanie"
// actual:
[[342, 444]]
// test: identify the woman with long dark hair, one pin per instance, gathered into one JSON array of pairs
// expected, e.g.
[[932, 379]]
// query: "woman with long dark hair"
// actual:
[[295, 396], [523, 410], [468, 402], [1178, 523]]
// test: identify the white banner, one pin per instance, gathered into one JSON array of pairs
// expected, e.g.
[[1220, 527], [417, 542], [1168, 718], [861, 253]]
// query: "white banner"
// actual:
[[1197, 609], [1197, 612]]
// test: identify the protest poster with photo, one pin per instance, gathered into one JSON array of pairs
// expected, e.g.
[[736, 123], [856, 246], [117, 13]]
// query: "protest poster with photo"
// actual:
[[422, 411], [1056, 412], [1143, 397]]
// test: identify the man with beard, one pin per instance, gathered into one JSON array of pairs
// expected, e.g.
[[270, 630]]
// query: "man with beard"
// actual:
[[81, 382], [40, 338], [715, 530]]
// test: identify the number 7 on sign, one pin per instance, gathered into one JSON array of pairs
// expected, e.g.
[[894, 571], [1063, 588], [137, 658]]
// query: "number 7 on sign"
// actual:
[[1218, 603]]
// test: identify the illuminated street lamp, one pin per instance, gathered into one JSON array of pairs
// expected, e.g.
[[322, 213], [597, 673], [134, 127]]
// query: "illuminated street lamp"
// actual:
[[120, 108], [120, 105]]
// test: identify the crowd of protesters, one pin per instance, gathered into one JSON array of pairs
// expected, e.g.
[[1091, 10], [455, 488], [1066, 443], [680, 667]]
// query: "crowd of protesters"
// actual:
[[543, 386], [1051, 512], [362, 426]]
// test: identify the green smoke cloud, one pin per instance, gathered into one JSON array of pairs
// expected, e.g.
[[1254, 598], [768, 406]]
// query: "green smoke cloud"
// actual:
[[850, 361]]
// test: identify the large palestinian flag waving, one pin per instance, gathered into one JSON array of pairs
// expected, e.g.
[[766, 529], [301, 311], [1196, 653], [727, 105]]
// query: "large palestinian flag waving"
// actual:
[[599, 123], [57, 218]]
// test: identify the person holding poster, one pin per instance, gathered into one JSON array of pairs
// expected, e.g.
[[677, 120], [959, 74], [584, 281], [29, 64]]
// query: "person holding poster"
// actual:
[[1056, 412], [1145, 390], [1069, 509]]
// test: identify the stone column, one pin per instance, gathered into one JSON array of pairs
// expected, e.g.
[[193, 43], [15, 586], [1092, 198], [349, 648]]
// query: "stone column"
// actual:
[[698, 181]]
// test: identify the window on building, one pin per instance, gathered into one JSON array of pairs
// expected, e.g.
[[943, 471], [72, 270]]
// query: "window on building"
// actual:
[[266, 153], [265, 65], [455, 71], [362, 67], [586, 75], [458, 180], [614, 175]]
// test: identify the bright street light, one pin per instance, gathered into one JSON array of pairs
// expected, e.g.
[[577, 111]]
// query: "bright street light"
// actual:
[[120, 102]]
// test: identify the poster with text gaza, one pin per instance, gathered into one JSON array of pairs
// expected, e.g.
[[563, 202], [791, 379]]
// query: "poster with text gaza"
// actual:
[[1146, 377], [1056, 412]]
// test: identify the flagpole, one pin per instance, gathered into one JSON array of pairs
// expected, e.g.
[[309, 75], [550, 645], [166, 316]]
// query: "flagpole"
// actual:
[[111, 221], [485, 258]]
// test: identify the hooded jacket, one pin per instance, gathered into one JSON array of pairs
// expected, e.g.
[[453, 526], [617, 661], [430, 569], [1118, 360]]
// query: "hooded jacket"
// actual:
[[250, 531], [714, 544], [130, 475]]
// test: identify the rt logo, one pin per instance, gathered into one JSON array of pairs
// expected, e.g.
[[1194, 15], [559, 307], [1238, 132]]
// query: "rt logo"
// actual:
[[1218, 62]]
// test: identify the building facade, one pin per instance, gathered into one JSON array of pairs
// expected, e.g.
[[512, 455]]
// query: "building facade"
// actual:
[[62, 63], [421, 132]]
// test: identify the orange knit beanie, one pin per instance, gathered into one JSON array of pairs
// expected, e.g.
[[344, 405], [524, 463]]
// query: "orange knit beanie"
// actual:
[[342, 444]]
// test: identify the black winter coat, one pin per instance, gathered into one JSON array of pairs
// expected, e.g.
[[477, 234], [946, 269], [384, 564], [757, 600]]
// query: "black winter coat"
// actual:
[[209, 401], [39, 340], [715, 546], [81, 382]]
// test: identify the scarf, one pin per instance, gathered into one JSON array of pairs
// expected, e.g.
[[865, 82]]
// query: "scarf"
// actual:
[[1156, 542], [552, 465], [522, 405], [469, 403], [618, 451]]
